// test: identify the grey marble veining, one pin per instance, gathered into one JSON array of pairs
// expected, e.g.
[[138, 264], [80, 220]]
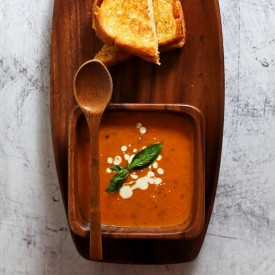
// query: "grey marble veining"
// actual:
[[34, 234]]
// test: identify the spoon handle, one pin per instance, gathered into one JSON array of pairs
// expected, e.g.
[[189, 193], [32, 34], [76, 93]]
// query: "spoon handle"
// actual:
[[95, 219]]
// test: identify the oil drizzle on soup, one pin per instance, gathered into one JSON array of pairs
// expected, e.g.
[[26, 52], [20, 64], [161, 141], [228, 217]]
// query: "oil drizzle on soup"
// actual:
[[168, 200]]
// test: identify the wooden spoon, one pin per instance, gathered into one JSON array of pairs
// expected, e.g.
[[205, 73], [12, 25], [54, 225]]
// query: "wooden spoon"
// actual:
[[93, 88]]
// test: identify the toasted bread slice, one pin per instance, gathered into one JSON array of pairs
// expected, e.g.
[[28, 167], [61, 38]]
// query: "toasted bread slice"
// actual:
[[170, 28], [170, 23], [128, 25]]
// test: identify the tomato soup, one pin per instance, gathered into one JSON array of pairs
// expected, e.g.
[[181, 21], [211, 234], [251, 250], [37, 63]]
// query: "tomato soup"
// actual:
[[167, 199]]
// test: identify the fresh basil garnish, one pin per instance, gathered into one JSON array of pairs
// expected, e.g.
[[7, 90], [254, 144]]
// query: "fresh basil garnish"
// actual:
[[117, 180], [141, 160], [116, 168], [145, 157]]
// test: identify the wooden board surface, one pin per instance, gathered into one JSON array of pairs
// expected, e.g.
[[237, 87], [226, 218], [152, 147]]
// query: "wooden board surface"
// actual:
[[192, 75]]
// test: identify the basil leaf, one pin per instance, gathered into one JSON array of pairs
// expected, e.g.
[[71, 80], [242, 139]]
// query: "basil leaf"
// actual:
[[145, 157], [117, 180], [116, 168]]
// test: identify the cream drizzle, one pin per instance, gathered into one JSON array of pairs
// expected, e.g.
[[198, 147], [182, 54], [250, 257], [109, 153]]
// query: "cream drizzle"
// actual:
[[126, 191]]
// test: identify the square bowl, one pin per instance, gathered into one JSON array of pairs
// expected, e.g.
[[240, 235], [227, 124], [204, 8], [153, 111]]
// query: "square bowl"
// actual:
[[171, 202]]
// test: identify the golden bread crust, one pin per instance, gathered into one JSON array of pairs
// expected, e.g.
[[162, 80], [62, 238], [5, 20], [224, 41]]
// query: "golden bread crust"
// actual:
[[170, 22], [171, 46], [170, 28], [127, 25], [110, 55]]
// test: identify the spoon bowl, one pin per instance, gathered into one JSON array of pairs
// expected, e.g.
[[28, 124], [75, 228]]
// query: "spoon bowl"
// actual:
[[93, 88]]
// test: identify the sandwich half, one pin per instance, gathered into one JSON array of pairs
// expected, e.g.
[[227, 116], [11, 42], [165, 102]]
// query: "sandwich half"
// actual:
[[128, 25], [170, 30]]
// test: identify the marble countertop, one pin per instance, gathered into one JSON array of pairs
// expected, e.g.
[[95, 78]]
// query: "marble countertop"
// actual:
[[34, 234]]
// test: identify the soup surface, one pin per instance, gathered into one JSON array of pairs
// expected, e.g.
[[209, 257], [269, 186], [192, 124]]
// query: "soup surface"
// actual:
[[166, 199]]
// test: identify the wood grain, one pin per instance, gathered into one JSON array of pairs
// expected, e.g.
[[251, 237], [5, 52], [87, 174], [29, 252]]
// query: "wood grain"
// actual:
[[192, 75], [93, 89]]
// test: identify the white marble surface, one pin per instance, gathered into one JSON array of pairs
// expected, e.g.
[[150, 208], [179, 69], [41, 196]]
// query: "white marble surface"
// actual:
[[34, 237]]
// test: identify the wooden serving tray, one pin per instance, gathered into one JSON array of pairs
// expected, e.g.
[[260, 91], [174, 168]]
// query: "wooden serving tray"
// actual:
[[193, 75]]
